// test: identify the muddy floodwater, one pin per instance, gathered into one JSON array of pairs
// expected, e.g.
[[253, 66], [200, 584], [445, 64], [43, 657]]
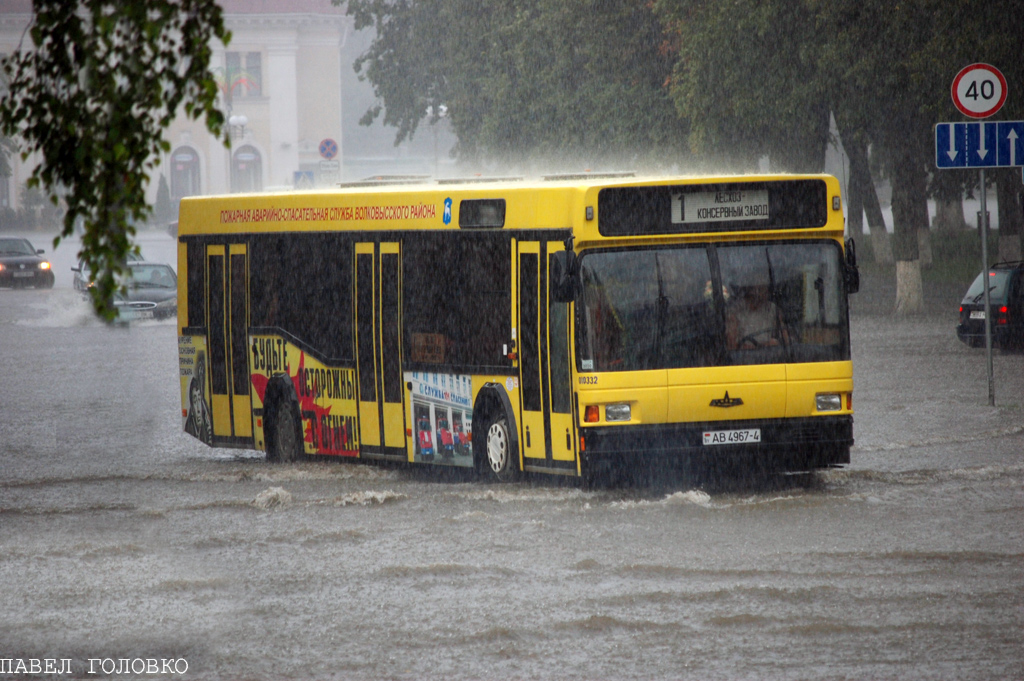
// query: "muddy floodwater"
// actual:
[[123, 539]]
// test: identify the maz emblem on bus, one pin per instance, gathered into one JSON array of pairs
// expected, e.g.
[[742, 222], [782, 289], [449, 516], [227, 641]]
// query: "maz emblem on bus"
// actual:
[[727, 401]]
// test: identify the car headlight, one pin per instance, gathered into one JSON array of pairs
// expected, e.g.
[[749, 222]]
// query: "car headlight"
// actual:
[[169, 303], [44, 265]]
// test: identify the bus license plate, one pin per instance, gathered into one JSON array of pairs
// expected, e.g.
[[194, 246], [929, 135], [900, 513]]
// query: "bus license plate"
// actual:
[[732, 437], [978, 314]]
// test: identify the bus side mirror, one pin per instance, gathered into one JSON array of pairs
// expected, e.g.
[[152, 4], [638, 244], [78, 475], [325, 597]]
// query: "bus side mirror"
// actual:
[[851, 274], [563, 276]]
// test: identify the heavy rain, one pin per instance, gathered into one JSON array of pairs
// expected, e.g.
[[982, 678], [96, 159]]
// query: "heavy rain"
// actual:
[[129, 548]]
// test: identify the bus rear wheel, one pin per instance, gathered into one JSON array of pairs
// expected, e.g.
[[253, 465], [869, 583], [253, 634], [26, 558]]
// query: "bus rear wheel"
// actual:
[[500, 455], [285, 443]]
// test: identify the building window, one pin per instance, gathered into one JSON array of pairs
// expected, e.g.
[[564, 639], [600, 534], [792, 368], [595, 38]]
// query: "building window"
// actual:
[[247, 170], [244, 74], [184, 173]]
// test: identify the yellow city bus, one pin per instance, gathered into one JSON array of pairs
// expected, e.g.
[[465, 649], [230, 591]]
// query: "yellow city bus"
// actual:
[[552, 326]]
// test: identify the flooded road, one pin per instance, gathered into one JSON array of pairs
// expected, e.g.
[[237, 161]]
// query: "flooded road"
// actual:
[[123, 538]]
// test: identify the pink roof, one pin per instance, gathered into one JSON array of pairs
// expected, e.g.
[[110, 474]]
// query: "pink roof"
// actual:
[[280, 7], [15, 6], [230, 7]]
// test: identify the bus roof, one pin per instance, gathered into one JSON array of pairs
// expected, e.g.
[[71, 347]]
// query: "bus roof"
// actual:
[[587, 202]]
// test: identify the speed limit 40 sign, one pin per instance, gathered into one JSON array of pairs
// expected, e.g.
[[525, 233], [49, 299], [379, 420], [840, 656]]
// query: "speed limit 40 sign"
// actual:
[[979, 90]]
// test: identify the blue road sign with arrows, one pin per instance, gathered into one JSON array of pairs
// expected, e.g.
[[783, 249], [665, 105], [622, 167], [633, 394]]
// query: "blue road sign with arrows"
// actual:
[[991, 144]]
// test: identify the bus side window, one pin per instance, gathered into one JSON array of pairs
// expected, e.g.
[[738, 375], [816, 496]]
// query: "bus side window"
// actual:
[[196, 262]]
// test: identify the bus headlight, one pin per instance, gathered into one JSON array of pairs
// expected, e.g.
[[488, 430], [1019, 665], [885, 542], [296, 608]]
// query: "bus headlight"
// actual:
[[829, 401], [617, 412]]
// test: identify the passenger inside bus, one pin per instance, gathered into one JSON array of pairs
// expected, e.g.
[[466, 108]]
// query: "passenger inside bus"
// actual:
[[753, 320]]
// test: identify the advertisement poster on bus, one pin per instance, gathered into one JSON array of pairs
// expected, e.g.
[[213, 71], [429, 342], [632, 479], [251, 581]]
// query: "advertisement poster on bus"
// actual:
[[196, 416], [442, 417], [326, 395]]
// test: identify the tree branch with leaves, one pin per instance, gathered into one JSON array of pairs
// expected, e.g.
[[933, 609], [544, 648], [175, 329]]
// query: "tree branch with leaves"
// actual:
[[92, 96]]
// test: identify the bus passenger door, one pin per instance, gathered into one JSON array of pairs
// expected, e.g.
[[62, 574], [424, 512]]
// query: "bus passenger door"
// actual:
[[227, 304], [378, 349], [544, 374], [559, 369]]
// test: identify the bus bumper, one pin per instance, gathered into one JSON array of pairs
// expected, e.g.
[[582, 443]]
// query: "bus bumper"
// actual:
[[786, 444]]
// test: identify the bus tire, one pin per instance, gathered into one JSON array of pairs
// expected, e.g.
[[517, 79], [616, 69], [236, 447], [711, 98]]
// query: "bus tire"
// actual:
[[500, 456], [285, 442]]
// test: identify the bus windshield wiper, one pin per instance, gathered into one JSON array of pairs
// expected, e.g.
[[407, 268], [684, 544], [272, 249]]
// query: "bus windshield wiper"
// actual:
[[772, 298], [662, 308]]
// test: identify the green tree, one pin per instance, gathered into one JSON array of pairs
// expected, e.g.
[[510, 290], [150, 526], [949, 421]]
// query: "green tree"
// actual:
[[747, 81], [101, 81], [899, 90], [163, 209], [747, 78], [7, 147], [576, 80], [755, 76]]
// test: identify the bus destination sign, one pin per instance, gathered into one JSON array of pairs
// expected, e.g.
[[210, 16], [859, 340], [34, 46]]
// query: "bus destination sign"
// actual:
[[720, 206], [712, 207]]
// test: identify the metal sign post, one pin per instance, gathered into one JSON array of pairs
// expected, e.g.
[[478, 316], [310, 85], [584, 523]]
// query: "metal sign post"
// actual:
[[981, 145], [983, 228], [979, 91]]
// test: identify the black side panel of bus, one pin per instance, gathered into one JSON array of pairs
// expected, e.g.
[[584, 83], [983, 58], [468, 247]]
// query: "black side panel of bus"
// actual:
[[302, 285], [455, 288], [196, 261]]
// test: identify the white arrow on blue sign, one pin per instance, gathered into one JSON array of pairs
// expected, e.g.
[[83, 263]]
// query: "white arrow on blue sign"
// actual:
[[993, 144]]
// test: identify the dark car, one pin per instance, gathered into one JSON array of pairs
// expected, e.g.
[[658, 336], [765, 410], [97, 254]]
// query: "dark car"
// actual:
[[1005, 283], [21, 266], [152, 290]]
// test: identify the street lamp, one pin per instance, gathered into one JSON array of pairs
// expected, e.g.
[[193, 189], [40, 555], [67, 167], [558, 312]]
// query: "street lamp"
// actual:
[[236, 125]]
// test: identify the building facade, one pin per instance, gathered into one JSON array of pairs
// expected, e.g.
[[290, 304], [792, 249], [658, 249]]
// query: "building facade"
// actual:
[[280, 79]]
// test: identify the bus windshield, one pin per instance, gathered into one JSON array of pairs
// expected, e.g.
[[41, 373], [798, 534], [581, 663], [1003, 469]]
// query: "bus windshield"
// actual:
[[712, 305]]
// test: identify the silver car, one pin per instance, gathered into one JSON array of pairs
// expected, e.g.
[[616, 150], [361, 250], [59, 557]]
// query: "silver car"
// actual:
[[152, 290]]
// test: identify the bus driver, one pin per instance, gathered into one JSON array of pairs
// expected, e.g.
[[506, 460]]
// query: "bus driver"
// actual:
[[753, 319]]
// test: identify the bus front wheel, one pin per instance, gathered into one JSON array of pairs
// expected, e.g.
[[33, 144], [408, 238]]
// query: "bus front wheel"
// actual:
[[286, 438], [501, 457]]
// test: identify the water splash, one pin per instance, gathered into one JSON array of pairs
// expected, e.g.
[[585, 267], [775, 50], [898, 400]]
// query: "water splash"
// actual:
[[272, 497]]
